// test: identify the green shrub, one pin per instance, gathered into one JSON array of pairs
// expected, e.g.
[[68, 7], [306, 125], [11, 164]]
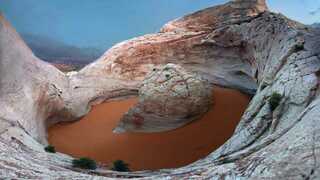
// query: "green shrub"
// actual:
[[274, 100], [299, 47], [84, 163], [120, 165], [50, 149]]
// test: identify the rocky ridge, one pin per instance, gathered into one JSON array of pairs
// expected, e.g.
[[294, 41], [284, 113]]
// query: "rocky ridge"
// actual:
[[239, 44], [169, 98]]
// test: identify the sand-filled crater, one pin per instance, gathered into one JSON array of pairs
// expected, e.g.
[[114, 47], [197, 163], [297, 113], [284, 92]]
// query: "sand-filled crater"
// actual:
[[92, 136]]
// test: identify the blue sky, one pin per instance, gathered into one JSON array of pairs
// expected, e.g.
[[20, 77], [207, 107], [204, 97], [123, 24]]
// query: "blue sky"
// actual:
[[102, 23]]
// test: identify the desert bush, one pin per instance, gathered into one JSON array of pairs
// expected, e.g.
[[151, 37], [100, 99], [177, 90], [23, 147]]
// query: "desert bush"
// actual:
[[299, 47], [120, 165], [50, 149], [274, 100], [84, 163]]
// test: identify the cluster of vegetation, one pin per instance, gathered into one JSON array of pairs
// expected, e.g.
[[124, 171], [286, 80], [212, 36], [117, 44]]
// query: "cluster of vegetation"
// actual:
[[84, 163], [274, 100], [120, 166], [299, 47], [87, 163], [50, 149]]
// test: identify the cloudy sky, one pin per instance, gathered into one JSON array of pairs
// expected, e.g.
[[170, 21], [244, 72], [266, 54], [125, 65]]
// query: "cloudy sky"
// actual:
[[102, 23]]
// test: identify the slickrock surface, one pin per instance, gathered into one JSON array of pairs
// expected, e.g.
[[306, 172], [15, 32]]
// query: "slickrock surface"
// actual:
[[240, 45], [184, 42], [30, 89], [169, 98]]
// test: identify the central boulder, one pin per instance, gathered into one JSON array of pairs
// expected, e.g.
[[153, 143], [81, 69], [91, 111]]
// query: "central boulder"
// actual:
[[169, 98]]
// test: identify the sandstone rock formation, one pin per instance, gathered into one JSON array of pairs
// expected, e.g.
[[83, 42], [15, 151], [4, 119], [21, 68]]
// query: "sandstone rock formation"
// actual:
[[239, 44], [30, 90], [169, 98], [184, 41]]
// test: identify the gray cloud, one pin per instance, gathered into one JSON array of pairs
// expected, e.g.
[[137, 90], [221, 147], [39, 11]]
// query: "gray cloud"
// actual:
[[314, 12]]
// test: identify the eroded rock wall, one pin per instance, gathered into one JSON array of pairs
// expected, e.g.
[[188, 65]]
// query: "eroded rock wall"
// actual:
[[239, 44], [30, 90], [169, 97], [182, 42]]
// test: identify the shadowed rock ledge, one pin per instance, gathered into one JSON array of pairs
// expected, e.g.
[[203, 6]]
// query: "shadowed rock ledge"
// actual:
[[239, 45]]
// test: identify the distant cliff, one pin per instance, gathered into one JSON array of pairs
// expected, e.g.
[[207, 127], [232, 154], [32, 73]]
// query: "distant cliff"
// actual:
[[315, 25], [55, 51]]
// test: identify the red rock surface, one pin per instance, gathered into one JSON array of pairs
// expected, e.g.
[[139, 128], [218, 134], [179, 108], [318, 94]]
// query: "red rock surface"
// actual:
[[185, 42]]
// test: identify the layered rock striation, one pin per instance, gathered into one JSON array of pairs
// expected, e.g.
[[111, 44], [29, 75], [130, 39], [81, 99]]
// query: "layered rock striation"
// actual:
[[169, 98], [239, 44]]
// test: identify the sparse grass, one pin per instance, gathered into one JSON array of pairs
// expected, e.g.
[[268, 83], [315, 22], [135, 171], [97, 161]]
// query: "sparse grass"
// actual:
[[50, 149], [84, 163], [274, 100], [120, 166]]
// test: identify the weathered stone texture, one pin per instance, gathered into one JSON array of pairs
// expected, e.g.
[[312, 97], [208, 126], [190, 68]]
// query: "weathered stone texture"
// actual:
[[240, 45], [169, 98]]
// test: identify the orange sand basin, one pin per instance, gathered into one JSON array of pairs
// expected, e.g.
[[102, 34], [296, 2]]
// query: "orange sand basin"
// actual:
[[92, 136]]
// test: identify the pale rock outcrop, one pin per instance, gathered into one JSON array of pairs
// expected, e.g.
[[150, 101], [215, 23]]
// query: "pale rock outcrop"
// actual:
[[169, 98], [30, 89], [182, 42], [239, 44]]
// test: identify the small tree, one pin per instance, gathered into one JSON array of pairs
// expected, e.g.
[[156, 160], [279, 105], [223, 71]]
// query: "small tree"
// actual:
[[120, 166], [84, 163], [274, 100], [50, 149]]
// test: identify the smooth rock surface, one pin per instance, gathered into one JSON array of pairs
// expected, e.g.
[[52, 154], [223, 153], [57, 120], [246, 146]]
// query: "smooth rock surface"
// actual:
[[30, 89], [239, 44], [169, 98]]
